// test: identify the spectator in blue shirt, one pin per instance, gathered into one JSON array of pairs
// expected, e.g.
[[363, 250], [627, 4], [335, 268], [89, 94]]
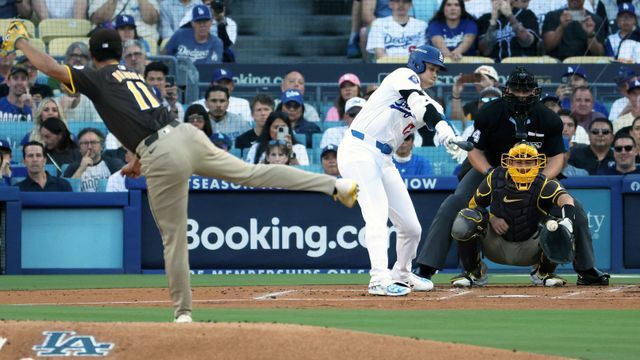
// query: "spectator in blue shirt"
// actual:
[[16, 106], [409, 164], [37, 178], [196, 42], [453, 30], [12, 8]]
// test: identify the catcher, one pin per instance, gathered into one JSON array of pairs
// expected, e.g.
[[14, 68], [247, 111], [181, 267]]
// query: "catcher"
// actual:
[[522, 232]]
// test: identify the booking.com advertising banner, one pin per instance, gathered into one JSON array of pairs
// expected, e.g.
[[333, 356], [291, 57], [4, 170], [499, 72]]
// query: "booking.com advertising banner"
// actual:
[[235, 228], [256, 229]]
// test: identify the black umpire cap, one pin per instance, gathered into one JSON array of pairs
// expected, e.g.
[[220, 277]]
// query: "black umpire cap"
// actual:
[[105, 44]]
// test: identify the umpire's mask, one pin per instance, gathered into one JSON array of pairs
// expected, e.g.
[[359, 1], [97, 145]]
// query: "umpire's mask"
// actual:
[[521, 93], [523, 162]]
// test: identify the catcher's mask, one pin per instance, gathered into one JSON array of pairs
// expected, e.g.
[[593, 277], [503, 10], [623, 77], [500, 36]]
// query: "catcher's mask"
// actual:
[[521, 80], [523, 162]]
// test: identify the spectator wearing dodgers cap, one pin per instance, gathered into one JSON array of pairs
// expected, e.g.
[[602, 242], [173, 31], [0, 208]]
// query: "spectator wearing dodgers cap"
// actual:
[[335, 134], [329, 159], [576, 77], [196, 42], [349, 85], [624, 45], [633, 109], [292, 103], [127, 29]]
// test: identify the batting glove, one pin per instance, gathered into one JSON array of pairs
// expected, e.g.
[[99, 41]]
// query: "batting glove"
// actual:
[[444, 135], [15, 32]]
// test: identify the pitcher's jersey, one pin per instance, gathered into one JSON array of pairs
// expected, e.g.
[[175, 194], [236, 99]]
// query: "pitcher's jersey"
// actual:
[[124, 101], [386, 116]]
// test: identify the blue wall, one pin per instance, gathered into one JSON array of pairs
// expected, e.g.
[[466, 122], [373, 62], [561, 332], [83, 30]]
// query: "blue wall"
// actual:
[[233, 227]]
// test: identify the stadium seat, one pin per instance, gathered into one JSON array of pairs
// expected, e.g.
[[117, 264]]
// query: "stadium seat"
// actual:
[[49, 29], [530, 60], [4, 24], [58, 46], [324, 125], [393, 60], [236, 152], [441, 161], [36, 43], [315, 168], [13, 131], [470, 60], [587, 60]]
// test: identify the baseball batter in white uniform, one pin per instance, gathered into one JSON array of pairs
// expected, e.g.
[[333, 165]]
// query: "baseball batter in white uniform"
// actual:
[[396, 109]]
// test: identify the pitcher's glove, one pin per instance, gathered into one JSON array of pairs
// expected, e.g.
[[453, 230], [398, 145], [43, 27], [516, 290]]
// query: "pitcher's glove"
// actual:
[[16, 31]]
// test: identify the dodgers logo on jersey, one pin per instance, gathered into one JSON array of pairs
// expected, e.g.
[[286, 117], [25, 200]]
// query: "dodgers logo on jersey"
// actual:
[[65, 343], [414, 79], [402, 106]]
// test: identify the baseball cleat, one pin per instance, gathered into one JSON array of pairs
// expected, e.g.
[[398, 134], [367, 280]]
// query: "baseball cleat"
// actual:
[[183, 319], [346, 192], [467, 279], [388, 288], [418, 283], [549, 280], [593, 277]]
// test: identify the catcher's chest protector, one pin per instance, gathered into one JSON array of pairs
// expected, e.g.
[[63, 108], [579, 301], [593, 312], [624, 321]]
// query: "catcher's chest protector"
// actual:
[[518, 208]]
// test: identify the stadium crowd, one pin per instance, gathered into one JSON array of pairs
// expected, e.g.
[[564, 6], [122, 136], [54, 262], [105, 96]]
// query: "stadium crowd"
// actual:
[[68, 139]]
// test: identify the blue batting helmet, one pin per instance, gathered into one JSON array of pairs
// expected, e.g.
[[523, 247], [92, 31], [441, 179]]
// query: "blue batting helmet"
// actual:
[[423, 55]]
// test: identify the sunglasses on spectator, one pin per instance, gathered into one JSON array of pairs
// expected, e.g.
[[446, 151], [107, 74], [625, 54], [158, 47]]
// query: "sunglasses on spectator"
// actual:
[[487, 99], [195, 118], [278, 142], [292, 105], [626, 148], [600, 131]]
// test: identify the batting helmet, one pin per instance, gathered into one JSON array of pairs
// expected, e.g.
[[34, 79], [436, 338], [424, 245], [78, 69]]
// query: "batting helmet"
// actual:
[[423, 55], [523, 162]]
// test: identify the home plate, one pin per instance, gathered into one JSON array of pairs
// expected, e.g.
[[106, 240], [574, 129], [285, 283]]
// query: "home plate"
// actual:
[[508, 296]]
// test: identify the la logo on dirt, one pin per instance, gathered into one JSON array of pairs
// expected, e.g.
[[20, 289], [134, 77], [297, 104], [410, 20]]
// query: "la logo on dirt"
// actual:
[[67, 343]]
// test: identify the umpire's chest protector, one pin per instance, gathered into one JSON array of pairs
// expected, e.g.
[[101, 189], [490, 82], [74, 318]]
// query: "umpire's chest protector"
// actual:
[[518, 208]]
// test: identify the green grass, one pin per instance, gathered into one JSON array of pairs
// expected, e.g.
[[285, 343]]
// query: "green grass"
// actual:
[[587, 334]]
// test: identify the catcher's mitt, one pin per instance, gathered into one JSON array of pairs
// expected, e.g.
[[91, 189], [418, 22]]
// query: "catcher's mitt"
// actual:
[[15, 31], [557, 242]]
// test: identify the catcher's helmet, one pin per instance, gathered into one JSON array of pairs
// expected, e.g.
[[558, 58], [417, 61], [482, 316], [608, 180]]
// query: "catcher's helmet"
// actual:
[[423, 55], [523, 162]]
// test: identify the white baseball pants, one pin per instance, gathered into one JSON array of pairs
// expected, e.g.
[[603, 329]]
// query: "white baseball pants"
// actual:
[[383, 195]]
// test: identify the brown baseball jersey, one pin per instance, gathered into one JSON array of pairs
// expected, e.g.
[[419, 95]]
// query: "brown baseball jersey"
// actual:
[[124, 101]]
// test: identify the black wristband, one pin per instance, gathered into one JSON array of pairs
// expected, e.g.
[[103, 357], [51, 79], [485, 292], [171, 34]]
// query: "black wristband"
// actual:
[[569, 212]]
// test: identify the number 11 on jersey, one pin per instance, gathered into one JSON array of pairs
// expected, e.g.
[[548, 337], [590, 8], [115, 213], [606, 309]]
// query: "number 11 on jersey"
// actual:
[[143, 96]]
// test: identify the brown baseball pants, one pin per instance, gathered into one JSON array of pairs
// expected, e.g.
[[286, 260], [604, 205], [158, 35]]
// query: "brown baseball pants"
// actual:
[[167, 165]]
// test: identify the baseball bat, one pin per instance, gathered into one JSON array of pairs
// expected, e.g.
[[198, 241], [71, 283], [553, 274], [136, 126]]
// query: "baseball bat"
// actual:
[[464, 145]]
